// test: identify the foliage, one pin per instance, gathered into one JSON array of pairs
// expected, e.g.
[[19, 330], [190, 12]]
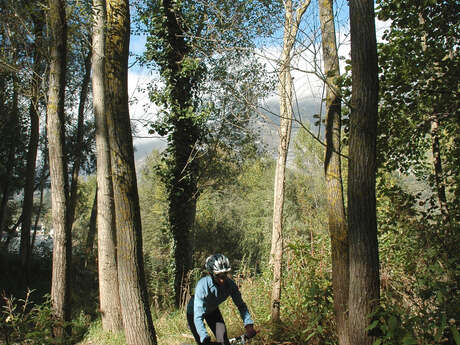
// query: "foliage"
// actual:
[[10, 266], [28, 323], [85, 198], [15, 78], [419, 273], [155, 234], [306, 191], [418, 82], [419, 87], [214, 62], [237, 217], [307, 301], [232, 215], [388, 324]]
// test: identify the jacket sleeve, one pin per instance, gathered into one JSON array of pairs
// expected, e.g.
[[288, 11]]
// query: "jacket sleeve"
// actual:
[[199, 310], [242, 307]]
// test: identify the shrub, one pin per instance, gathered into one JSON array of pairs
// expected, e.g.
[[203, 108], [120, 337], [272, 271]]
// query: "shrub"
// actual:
[[24, 322]]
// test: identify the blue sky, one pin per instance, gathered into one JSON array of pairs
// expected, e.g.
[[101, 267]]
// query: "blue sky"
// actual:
[[307, 85]]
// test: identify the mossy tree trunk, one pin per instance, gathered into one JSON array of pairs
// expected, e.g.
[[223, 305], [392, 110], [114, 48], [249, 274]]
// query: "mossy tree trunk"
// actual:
[[62, 250], [332, 170], [137, 319], [103, 206], [92, 230]]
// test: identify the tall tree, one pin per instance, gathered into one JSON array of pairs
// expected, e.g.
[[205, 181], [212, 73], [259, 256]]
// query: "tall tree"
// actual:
[[62, 250], [109, 295], [364, 292], [332, 171], [196, 50], [291, 26], [184, 138], [137, 318], [28, 201], [43, 178], [92, 229]]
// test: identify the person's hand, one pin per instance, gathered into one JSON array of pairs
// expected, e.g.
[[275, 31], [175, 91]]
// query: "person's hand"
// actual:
[[250, 331], [206, 341]]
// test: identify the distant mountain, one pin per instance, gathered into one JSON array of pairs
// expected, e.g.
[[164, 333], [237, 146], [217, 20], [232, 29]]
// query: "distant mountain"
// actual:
[[267, 123], [270, 119], [143, 147]]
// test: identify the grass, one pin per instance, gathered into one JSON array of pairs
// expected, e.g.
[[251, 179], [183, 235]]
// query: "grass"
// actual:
[[302, 310], [172, 329]]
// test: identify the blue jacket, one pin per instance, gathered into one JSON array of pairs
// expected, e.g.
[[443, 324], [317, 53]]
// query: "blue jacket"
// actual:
[[208, 296]]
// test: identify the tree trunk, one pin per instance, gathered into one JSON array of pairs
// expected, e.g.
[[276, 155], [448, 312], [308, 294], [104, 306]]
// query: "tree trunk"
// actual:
[[291, 26], [332, 170], [62, 250], [92, 234], [364, 291], [137, 319], [436, 150], [40, 205], [28, 201], [438, 171], [183, 165], [109, 295], [78, 147]]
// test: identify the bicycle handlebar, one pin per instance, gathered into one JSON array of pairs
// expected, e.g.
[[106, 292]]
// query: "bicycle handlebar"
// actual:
[[242, 339]]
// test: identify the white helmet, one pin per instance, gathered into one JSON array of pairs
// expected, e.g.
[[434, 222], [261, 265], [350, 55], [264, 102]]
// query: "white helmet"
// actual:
[[217, 263]]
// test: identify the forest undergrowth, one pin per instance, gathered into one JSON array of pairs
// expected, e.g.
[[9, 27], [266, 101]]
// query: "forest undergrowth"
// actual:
[[419, 269]]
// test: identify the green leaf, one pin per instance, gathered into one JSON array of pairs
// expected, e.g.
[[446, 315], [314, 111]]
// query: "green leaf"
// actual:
[[455, 334], [393, 322], [377, 342], [409, 340], [372, 325]]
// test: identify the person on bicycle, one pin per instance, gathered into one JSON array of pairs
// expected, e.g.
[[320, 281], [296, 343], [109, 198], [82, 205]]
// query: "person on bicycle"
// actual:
[[210, 291]]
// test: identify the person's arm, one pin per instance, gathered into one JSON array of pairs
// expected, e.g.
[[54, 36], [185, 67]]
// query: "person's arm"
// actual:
[[199, 310], [242, 307]]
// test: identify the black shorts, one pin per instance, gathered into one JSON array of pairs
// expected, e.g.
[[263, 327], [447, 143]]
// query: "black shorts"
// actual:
[[215, 322]]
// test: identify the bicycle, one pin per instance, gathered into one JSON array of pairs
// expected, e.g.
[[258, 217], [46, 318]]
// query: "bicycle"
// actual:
[[241, 340]]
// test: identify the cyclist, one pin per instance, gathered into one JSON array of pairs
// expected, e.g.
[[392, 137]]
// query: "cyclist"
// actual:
[[210, 291]]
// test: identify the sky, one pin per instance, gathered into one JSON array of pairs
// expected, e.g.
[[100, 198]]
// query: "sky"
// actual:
[[308, 87]]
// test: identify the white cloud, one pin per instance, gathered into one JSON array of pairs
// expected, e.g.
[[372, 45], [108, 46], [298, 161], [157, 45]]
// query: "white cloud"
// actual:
[[141, 109]]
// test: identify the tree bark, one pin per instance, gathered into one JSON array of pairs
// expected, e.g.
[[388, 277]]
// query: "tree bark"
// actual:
[[291, 26], [364, 291], [332, 170], [62, 247], [109, 296], [137, 318], [92, 234]]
